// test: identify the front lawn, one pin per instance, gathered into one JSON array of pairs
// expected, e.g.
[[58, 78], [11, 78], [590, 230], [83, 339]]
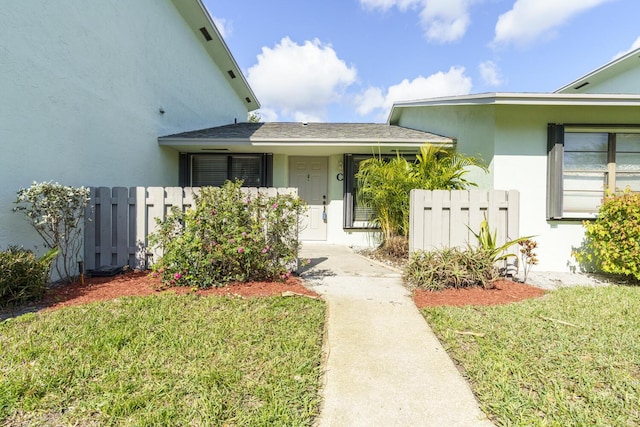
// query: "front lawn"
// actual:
[[571, 358], [164, 360]]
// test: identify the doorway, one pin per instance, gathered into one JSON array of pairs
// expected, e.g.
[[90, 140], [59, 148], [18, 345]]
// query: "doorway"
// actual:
[[309, 176]]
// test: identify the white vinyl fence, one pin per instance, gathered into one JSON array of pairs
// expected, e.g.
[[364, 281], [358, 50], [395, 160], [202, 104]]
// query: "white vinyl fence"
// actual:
[[439, 218], [119, 219]]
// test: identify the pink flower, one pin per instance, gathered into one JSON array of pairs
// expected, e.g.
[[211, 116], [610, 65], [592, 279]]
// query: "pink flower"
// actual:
[[213, 211], [275, 205], [264, 251], [232, 241], [244, 234], [240, 250], [177, 276]]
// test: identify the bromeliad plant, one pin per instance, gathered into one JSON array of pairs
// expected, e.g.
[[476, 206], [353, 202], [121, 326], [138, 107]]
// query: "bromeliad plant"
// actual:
[[228, 236], [487, 240]]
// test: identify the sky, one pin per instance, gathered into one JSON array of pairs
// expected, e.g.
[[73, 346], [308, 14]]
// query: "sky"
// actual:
[[350, 60]]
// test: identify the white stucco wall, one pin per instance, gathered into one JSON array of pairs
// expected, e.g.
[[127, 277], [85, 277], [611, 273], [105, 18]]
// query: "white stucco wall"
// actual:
[[81, 86], [625, 82], [519, 159], [471, 126]]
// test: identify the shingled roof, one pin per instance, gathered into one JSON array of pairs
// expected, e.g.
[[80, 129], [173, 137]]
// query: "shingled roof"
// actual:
[[312, 132]]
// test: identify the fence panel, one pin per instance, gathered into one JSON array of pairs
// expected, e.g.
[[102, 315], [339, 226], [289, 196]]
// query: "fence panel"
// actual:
[[439, 218], [119, 220]]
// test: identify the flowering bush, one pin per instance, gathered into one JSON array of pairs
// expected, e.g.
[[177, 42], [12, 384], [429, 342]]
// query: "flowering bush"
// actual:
[[228, 236], [56, 212]]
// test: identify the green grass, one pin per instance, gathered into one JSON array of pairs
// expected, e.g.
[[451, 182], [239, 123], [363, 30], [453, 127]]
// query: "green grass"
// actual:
[[164, 360], [531, 371]]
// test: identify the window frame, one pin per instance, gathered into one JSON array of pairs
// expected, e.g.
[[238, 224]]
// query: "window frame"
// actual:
[[349, 189], [556, 168], [186, 166]]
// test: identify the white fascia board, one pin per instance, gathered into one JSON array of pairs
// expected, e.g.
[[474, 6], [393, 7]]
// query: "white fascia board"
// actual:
[[196, 14], [177, 142], [527, 99], [603, 69]]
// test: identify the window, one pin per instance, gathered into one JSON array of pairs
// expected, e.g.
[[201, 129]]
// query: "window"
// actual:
[[197, 170], [356, 215], [584, 161]]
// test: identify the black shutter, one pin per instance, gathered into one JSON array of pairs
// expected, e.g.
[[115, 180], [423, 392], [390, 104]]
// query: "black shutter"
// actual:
[[267, 169], [555, 160], [183, 170], [348, 195]]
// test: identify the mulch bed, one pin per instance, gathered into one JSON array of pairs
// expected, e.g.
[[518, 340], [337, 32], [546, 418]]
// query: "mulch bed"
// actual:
[[141, 283], [505, 292]]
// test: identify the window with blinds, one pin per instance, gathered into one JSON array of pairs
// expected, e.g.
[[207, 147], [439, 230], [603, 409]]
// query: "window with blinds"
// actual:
[[198, 170], [586, 161]]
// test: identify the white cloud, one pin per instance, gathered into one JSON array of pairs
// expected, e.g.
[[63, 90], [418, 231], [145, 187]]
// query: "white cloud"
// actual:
[[530, 20], [224, 27], [299, 81], [450, 83], [442, 20], [445, 20], [490, 73], [388, 4], [635, 45]]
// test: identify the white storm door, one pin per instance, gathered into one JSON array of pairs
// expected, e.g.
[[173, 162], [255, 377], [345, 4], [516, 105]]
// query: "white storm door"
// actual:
[[309, 176]]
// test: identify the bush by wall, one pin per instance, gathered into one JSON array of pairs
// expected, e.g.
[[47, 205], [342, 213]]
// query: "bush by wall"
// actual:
[[24, 276], [451, 268], [612, 241], [56, 212], [228, 236]]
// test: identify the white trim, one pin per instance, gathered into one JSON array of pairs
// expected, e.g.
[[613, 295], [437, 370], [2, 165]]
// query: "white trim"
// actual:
[[600, 70]]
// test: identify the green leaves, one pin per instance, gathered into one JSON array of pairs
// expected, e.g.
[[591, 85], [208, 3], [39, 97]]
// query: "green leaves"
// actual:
[[488, 242], [384, 185], [229, 236], [612, 241], [55, 211], [451, 268], [24, 277]]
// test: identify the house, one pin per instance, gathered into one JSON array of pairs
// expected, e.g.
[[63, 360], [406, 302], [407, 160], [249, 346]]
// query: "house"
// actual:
[[88, 87], [560, 149], [320, 159]]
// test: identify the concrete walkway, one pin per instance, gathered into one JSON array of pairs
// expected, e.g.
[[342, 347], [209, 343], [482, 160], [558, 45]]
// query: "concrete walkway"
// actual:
[[383, 364]]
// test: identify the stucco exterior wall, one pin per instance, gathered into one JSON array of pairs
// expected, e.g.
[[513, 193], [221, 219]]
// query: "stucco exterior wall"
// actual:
[[472, 127], [82, 86], [520, 162], [516, 140], [626, 82]]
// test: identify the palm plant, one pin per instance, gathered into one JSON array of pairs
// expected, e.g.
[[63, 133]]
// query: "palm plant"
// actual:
[[440, 169], [384, 184]]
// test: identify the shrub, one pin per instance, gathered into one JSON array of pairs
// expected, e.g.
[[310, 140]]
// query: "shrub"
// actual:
[[384, 185], [228, 236], [612, 241], [55, 212], [24, 277], [451, 268]]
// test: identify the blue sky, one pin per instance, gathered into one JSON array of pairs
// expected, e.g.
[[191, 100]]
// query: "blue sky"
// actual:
[[349, 60]]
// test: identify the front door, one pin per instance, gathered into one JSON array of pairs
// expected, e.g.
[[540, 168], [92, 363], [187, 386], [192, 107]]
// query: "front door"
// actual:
[[309, 176]]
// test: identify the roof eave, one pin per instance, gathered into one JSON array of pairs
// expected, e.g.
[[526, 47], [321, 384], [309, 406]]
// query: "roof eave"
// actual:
[[197, 16], [576, 84]]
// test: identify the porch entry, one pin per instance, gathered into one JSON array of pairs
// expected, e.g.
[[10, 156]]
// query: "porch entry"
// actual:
[[309, 176]]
